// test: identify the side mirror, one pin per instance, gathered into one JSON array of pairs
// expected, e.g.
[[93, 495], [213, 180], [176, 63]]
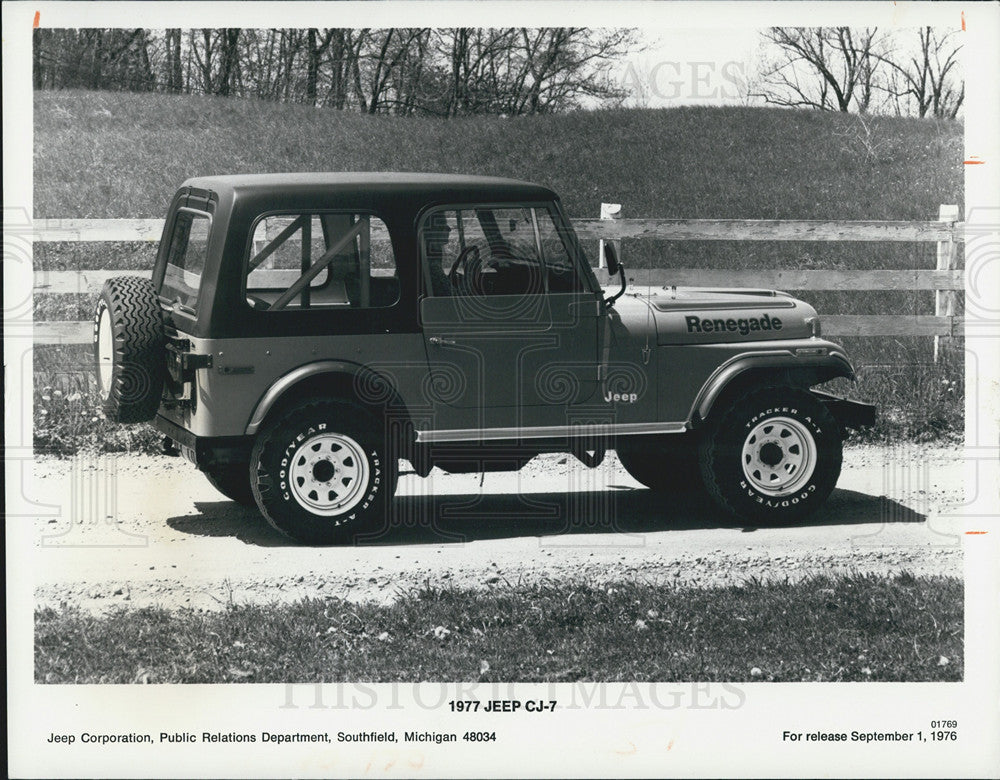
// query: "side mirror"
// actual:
[[615, 268], [611, 258]]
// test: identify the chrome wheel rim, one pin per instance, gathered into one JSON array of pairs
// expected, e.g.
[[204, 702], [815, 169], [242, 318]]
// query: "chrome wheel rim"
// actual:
[[105, 352], [779, 456], [329, 474]]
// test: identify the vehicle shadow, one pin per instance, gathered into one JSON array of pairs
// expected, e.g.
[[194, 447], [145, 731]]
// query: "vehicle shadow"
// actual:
[[228, 518], [462, 518]]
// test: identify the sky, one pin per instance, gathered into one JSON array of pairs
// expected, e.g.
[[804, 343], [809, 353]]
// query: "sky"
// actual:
[[689, 66], [708, 66]]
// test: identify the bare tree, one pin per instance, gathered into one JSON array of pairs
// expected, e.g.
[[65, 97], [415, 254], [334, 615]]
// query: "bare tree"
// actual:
[[377, 59], [829, 68], [527, 70], [316, 46], [564, 64], [229, 70], [173, 60], [395, 70], [478, 64], [863, 70], [93, 59], [926, 80], [408, 77], [341, 44], [202, 46]]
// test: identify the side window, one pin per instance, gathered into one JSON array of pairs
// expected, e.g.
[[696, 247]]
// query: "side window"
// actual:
[[442, 239], [276, 254], [560, 265], [481, 251], [186, 257], [515, 236], [326, 260]]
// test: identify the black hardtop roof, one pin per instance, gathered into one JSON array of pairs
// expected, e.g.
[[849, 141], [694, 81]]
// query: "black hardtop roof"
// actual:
[[427, 185]]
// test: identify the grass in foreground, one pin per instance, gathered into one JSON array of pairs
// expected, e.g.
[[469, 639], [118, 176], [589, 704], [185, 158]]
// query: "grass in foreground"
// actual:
[[849, 628]]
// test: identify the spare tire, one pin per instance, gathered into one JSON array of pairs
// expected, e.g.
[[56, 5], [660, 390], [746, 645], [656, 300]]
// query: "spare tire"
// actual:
[[129, 352]]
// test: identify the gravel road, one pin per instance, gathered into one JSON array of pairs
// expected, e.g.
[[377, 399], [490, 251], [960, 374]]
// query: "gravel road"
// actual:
[[131, 530]]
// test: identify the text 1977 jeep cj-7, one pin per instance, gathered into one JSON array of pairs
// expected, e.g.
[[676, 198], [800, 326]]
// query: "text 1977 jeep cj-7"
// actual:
[[302, 332]]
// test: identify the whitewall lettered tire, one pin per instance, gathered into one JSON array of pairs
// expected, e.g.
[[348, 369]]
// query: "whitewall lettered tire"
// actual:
[[773, 455], [323, 474]]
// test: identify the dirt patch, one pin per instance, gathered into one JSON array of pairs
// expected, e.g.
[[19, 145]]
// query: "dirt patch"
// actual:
[[128, 530]]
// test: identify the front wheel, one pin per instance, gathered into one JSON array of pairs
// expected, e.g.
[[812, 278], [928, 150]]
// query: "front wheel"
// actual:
[[774, 455], [323, 472]]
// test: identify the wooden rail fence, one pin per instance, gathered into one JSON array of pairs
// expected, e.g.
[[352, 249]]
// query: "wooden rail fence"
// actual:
[[946, 280]]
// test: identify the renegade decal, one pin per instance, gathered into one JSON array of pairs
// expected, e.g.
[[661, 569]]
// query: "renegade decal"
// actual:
[[741, 326]]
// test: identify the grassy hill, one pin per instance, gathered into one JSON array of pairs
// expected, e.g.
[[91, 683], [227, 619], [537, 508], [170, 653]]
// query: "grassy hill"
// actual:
[[103, 154], [118, 155]]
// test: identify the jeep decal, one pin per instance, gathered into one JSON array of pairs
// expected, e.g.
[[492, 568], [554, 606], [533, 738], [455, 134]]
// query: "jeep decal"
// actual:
[[743, 326], [628, 398]]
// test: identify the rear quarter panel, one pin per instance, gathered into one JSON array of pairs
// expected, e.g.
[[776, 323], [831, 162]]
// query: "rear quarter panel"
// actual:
[[243, 370]]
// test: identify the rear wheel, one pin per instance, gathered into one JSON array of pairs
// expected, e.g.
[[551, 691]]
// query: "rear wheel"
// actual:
[[774, 455], [233, 481], [323, 473], [129, 353]]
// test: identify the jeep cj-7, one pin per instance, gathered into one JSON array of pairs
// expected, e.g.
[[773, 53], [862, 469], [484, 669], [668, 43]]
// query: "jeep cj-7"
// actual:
[[303, 332]]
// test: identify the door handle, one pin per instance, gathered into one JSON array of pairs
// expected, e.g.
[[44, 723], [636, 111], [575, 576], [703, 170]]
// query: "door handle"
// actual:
[[440, 342]]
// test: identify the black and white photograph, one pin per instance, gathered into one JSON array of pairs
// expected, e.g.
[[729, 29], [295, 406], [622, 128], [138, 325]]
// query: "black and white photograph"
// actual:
[[434, 388]]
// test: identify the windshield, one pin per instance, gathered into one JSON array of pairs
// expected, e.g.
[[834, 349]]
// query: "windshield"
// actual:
[[186, 258]]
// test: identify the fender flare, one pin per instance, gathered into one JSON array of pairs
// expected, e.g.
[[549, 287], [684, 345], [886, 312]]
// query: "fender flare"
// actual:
[[832, 364], [287, 383]]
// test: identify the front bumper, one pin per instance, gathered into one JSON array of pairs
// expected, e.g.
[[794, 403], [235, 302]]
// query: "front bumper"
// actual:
[[850, 414]]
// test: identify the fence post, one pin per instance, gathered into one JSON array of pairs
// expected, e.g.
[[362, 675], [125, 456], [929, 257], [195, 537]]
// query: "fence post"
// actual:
[[609, 211], [947, 260]]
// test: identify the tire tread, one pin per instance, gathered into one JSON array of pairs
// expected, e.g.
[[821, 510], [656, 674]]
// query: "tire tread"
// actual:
[[709, 450], [138, 336], [264, 450]]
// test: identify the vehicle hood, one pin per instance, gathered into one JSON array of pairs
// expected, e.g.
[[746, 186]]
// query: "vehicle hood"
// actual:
[[701, 315]]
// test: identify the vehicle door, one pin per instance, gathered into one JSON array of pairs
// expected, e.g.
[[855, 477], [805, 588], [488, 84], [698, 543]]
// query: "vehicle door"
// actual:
[[510, 324]]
